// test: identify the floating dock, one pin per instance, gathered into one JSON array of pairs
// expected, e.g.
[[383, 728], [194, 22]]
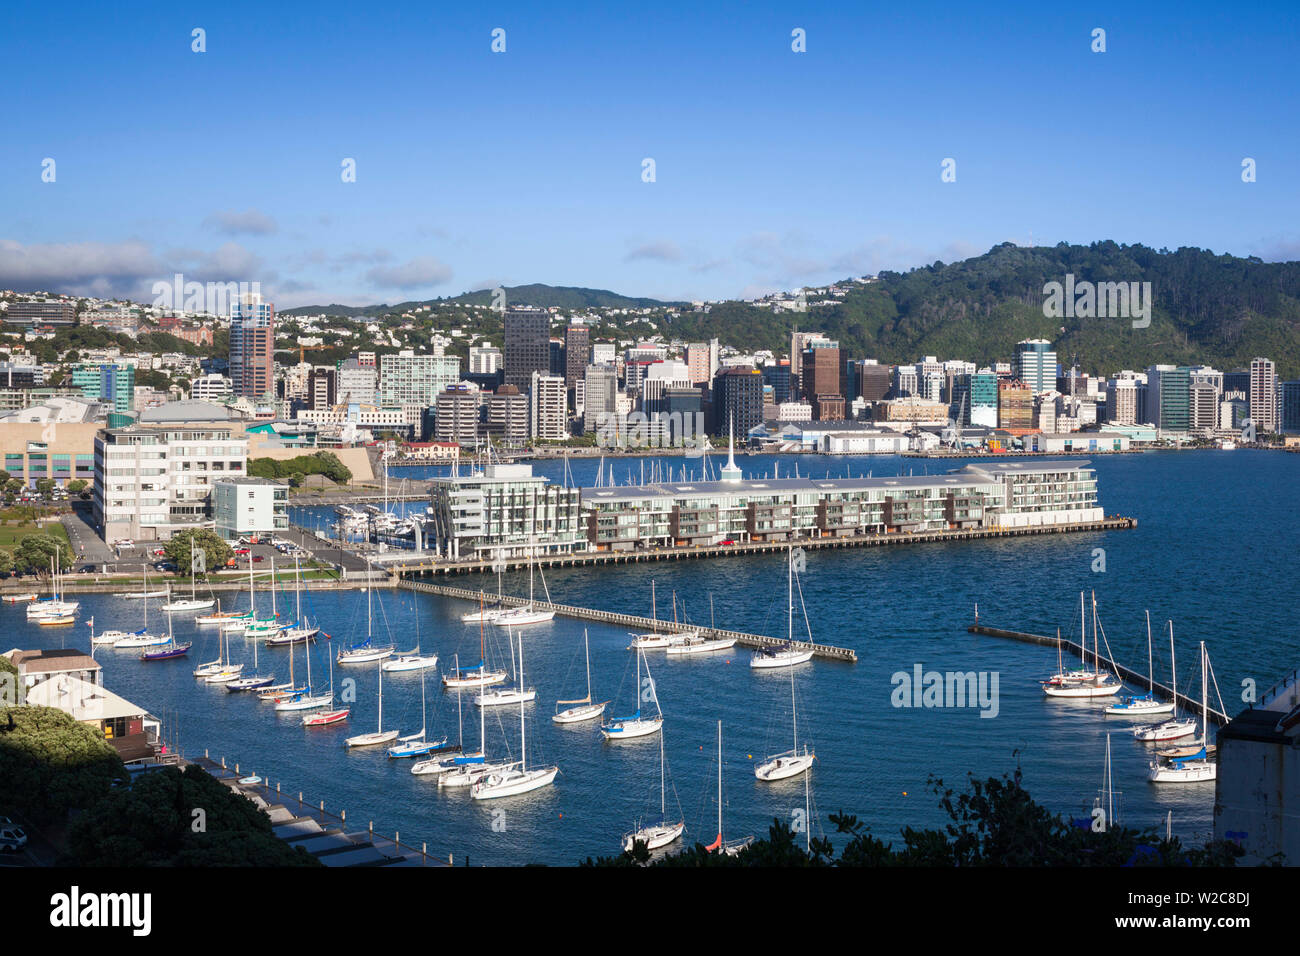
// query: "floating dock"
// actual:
[[631, 621], [1137, 680]]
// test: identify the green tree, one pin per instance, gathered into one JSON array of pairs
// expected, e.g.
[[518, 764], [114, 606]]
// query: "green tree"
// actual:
[[76, 486], [210, 552], [51, 763], [6, 561], [44, 486], [178, 818], [994, 823], [35, 551]]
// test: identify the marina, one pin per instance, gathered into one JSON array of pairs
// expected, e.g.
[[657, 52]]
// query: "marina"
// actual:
[[883, 609]]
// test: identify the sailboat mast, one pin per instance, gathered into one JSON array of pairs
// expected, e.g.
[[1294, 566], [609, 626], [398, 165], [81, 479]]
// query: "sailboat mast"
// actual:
[[719, 784], [1151, 671], [663, 803], [587, 649], [1083, 636], [1096, 649], [523, 745], [1173, 667], [381, 698], [1205, 698]]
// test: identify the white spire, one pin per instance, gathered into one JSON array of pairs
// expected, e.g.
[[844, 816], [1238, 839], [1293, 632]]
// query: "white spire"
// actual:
[[731, 471]]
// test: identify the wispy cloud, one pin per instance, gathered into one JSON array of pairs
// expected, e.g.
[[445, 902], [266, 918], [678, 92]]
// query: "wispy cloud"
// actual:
[[420, 272], [660, 250], [252, 222]]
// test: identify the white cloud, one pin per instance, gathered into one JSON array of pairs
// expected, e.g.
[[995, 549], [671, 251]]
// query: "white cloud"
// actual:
[[250, 222], [422, 271]]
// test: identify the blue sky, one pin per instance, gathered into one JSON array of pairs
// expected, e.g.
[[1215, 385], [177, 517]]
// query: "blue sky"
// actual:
[[774, 169]]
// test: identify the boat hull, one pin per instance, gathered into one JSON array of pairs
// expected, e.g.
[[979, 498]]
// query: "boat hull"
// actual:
[[654, 837], [322, 720], [401, 664], [577, 715], [371, 739], [631, 729], [784, 767], [511, 783], [170, 654], [1196, 771]]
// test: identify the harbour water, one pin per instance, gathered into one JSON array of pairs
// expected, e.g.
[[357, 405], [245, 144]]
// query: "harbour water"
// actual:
[[1214, 550]]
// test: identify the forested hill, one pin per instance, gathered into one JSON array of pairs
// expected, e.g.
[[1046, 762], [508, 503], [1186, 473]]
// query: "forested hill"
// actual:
[[1216, 309]]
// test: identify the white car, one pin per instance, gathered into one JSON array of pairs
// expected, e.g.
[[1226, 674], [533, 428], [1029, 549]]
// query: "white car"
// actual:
[[12, 839]]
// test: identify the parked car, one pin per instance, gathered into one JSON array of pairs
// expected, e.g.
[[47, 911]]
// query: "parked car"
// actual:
[[257, 558], [241, 551], [12, 839]]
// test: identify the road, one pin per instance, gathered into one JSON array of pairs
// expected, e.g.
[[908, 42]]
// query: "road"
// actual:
[[87, 546]]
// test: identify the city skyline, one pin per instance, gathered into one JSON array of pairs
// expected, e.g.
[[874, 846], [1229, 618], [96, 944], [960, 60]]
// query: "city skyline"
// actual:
[[475, 169]]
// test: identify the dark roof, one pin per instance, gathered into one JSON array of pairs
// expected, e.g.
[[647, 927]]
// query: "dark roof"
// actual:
[[36, 662]]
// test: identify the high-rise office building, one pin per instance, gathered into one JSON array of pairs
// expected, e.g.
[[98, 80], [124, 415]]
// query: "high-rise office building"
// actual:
[[252, 347], [1015, 406], [527, 346], [109, 383], [820, 369], [356, 383], [547, 405], [599, 397], [778, 376], [507, 415], [1168, 402], [1036, 364], [577, 352], [738, 397], [1263, 395], [699, 362], [410, 379], [1289, 413], [321, 388]]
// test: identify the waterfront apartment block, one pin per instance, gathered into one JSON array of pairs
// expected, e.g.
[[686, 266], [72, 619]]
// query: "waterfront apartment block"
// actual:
[[249, 506], [988, 495], [152, 480], [504, 510]]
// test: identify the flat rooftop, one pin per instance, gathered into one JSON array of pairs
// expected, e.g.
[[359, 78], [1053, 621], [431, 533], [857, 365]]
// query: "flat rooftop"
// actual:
[[981, 474]]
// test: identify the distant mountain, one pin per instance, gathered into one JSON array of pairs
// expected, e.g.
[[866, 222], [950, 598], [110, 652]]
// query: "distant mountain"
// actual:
[[1214, 309], [537, 295]]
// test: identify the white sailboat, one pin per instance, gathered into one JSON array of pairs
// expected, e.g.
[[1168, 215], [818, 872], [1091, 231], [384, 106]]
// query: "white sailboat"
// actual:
[[584, 708], [1098, 683], [529, 613], [1062, 677], [467, 769], [220, 671], [734, 847], [1141, 706], [145, 594], [628, 728], [193, 603], [516, 694], [1177, 726], [305, 699], [367, 652], [380, 736], [56, 607], [257, 681], [417, 745], [412, 660], [437, 765], [663, 831], [516, 778], [656, 638], [1197, 766], [794, 761], [477, 676], [142, 637]]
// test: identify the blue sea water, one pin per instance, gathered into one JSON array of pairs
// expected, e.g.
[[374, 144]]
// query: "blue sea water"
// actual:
[[1214, 550]]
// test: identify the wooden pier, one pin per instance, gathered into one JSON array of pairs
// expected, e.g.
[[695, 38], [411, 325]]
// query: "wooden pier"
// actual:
[[432, 565], [631, 621], [1138, 680]]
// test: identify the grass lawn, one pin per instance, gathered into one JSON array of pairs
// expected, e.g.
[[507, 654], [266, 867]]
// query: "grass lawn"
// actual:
[[12, 532]]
